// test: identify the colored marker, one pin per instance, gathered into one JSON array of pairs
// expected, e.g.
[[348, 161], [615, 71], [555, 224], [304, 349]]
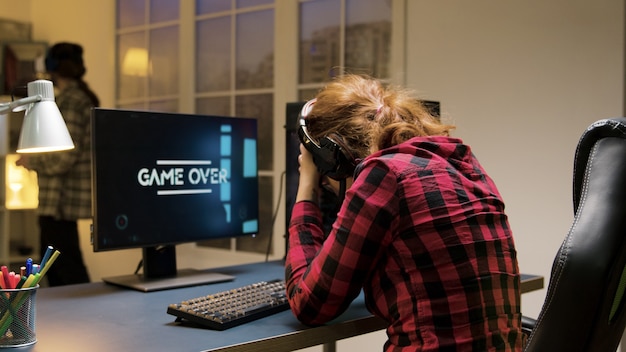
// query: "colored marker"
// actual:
[[12, 280], [29, 266], [36, 278], [31, 281], [21, 283], [46, 256], [15, 278], [49, 262], [5, 274]]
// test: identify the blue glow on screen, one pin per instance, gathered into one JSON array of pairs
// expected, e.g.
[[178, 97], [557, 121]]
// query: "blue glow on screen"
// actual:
[[226, 142], [250, 226], [225, 187], [249, 158], [191, 172], [228, 212]]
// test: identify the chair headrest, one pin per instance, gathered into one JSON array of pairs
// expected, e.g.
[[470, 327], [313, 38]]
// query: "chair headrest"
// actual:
[[612, 127]]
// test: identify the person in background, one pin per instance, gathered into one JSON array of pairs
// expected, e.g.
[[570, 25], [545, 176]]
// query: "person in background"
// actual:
[[421, 228], [65, 177]]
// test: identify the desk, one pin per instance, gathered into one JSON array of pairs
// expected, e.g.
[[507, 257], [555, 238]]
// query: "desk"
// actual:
[[100, 317]]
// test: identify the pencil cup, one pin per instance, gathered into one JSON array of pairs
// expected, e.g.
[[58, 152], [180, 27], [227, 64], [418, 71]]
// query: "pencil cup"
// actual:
[[17, 317]]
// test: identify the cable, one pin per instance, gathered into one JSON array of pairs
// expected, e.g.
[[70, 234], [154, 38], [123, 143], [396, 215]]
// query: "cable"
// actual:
[[139, 265], [280, 196]]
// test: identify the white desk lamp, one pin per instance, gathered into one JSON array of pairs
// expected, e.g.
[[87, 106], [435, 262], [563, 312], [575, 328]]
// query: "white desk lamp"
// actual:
[[44, 129]]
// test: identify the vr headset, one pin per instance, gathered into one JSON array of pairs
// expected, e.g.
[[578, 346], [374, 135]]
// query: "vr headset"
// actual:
[[331, 156]]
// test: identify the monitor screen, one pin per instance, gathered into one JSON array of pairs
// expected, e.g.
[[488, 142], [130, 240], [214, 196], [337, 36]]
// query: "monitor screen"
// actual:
[[161, 179]]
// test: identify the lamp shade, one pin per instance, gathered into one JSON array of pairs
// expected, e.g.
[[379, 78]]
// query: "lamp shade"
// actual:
[[136, 62], [44, 129]]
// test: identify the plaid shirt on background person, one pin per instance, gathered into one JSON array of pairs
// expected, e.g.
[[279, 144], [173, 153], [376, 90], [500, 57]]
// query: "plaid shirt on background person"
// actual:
[[65, 177], [423, 232]]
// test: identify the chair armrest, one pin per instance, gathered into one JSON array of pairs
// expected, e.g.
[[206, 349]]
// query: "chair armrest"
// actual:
[[528, 324]]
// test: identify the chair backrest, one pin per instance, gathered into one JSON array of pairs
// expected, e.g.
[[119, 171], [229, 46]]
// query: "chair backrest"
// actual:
[[584, 306]]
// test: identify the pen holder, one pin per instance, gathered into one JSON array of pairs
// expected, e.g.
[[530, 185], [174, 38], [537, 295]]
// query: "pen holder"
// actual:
[[17, 317]]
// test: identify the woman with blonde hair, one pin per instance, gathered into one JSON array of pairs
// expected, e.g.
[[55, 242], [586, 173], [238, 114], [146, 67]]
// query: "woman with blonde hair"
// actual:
[[421, 228]]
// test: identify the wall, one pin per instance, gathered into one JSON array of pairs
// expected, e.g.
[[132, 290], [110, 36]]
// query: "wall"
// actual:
[[89, 23], [15, 10]]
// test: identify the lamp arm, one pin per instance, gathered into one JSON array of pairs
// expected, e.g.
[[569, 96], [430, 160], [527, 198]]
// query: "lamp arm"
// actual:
[[5, 107]]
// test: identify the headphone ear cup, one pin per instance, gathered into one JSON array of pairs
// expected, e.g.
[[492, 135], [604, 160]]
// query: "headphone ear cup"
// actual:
[[331, 156], [324, 156], [343, 162]]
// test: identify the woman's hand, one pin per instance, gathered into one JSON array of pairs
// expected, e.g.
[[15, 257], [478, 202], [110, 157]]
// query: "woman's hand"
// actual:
[[308, 187]]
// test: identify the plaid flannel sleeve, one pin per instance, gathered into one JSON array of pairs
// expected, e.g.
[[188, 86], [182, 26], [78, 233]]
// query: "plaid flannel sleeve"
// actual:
[[323, 277]]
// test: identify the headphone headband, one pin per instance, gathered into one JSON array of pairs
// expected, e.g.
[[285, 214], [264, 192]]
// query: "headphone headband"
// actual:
[[303, 133], [330, 155]]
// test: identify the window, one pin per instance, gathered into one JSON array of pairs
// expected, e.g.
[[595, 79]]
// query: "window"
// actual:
[[147, 48], [217, 57], [338, 36], [234, 46]]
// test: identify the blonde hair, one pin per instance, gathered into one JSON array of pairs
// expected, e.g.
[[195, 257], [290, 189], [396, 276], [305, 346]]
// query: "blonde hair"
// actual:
[[369, 116]]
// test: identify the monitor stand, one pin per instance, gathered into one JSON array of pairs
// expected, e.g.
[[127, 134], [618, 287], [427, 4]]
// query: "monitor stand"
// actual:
[[160, 273]]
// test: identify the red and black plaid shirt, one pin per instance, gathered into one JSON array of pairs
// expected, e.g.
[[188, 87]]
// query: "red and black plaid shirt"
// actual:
[[423, 232]]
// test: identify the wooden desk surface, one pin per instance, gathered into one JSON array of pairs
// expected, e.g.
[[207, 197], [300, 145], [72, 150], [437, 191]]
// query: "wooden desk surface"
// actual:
[[531, 283], [99, 317]]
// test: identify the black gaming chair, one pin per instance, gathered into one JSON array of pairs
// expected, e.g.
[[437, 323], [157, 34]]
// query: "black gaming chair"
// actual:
[[584, 306]]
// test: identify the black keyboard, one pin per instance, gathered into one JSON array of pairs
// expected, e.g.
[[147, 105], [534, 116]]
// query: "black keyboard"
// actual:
[[224, 310]]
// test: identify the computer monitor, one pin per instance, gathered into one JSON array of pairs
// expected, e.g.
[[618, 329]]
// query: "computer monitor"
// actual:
[[162, 179], [329, 204]]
